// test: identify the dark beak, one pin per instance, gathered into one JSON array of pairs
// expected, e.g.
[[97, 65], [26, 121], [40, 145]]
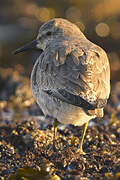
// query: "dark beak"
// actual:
[[29, 46]]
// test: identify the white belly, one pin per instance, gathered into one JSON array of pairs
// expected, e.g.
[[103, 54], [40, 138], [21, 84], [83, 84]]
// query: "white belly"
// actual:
[[65, 113]]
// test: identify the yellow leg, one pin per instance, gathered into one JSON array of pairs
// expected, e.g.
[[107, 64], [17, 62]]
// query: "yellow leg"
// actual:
[[56, 123], [80, 150]]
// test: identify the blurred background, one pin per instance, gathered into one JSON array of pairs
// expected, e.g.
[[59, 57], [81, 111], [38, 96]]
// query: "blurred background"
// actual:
[[99, 20]]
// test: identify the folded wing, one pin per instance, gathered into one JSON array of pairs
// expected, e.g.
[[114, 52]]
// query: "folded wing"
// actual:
[[77, 75]]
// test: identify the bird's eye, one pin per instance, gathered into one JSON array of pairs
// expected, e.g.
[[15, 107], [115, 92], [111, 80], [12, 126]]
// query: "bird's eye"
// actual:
[[48, 33]]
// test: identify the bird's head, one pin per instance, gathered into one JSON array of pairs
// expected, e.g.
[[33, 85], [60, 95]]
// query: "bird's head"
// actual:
[[56, 29]]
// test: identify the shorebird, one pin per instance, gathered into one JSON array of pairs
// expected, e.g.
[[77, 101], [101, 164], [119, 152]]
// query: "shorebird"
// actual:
[[71, 77]]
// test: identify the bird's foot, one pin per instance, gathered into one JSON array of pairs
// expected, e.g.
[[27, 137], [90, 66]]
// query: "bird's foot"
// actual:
[[80, 151], [56, 123]]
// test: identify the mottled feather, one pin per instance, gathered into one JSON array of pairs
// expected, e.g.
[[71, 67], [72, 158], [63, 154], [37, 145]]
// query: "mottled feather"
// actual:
[[82, 72]]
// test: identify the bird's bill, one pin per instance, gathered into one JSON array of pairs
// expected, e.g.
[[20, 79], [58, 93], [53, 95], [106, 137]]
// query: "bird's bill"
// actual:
[[31, 45]]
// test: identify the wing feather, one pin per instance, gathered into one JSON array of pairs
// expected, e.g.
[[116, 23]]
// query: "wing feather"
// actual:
[[81, 72]]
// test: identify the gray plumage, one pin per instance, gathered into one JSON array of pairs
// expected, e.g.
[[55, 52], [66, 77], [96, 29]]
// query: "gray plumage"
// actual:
[[71, 78]]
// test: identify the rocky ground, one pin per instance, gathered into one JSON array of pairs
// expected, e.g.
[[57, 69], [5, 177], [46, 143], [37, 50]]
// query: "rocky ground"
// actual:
[[26, 138]]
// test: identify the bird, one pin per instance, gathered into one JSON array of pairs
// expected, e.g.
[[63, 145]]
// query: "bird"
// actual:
[[70, 79]]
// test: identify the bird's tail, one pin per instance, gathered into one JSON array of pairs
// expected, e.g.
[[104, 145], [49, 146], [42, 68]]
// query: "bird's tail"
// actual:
[[98, 112]]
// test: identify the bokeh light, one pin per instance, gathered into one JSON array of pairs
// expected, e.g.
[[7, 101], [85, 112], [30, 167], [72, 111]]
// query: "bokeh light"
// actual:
[[41, 13], [102, 30], [44, 14], [73, 14]]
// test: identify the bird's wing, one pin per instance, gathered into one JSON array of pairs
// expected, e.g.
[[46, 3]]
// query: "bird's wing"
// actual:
[[77, 75], [70, 98]]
